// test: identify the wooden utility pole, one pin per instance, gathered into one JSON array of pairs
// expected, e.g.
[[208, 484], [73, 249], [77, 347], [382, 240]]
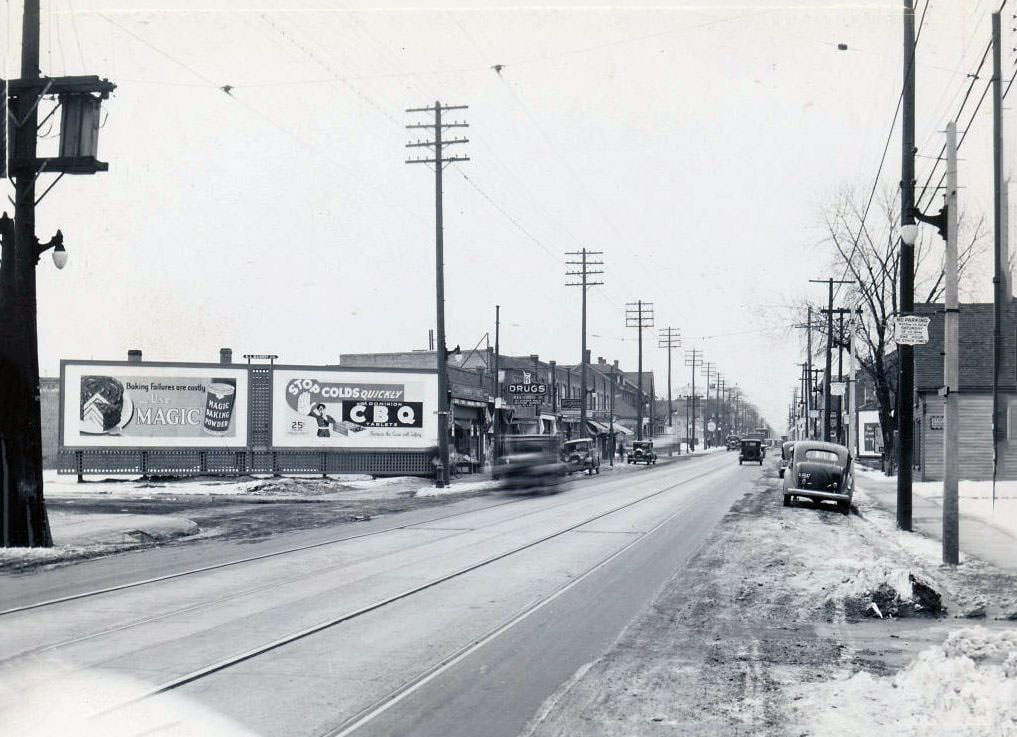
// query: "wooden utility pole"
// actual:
[[24, 521], [669, 338], [808, 372], [439, 160], [951, 361], [692, 361], [1000, 237], [827, 404], [614, 381], [905, 353], [583, 275], [496, 388], [709, 371], [639, 315]]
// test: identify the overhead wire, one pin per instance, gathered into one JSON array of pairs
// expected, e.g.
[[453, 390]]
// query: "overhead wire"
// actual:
[[882, 158]]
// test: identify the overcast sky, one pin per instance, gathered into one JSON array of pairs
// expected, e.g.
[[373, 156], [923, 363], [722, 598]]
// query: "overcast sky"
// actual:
[[695, 144]]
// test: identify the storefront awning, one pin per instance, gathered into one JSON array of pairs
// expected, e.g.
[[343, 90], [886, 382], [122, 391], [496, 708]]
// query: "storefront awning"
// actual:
[[597, 427], [620, 429]]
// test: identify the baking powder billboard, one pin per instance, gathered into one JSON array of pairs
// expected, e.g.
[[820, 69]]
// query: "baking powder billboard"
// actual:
[[146, 405], [354, 409]]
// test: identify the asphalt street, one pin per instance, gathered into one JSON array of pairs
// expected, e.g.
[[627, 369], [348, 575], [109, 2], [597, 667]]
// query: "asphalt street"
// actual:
[[462, 620]]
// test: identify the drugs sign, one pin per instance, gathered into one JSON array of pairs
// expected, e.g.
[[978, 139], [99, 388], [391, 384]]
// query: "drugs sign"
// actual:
[[910, 329]]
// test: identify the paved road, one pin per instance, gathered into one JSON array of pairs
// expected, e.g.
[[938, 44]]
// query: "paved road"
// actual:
[[462, 625]]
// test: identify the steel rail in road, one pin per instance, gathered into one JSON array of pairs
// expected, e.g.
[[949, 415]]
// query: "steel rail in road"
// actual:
[[241, 561], [49, 647], [382, 705], [303, 634]]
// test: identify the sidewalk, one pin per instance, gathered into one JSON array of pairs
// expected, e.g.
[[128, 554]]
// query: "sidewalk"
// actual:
[[979, 535]]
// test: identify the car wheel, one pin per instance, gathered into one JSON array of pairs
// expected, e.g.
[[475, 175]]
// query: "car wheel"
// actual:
[[739, 461], [787, 500], [844, 507]]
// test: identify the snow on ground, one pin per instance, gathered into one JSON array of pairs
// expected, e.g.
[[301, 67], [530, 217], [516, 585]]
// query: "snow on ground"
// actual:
[[976, 497], [339, 486], [463, 487], [966, 687]]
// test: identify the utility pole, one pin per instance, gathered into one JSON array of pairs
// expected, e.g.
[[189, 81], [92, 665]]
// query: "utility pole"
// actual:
[[639, 315], [692, 361], [439, 160], [496, 386], [905, 353], [808, 359], [23, 518], [584, 273], [951, 359], [829, 351], [669, 338], [998, 220], [614, 382], [708, 370]]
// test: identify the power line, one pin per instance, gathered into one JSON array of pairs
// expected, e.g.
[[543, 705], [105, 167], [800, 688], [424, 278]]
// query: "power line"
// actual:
[[886, 146]]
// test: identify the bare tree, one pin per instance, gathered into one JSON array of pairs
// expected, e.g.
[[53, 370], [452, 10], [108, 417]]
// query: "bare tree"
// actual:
[[867, 250]]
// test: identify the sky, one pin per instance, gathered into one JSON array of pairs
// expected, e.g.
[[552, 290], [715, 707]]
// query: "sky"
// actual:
[[695, 144]]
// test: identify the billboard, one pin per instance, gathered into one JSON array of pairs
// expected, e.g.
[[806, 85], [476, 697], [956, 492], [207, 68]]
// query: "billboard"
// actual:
[[135, 405], [351, 408]]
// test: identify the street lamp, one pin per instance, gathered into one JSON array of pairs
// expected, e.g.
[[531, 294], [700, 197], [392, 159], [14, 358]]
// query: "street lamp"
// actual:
[[59, 256], [909, 233]]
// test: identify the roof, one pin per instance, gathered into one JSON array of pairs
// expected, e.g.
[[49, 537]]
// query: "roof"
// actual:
[[819, 445], [976, 328]]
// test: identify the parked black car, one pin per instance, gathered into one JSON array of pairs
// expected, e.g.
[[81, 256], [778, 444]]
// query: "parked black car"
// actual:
[[734, 442], [821, 472]]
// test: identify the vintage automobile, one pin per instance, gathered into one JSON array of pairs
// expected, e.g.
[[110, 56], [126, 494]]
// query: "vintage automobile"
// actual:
[[581, 454], [751, 450], [734, 442], [821, 472], [642, 452], [786, 449], [531, 462]]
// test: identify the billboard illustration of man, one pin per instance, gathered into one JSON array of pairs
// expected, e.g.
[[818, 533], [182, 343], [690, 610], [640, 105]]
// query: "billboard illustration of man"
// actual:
[[325, 421]]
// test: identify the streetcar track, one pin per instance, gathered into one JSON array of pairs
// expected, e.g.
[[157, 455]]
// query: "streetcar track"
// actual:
[[378, 707], [251, 559], [302, 634], [275, 584]]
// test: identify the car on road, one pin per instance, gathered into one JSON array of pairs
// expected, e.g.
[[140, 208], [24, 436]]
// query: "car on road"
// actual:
[[734, 442], [786, 449], [820, 472], [581, 454], [530, 462], [642, 452], [751, 450]]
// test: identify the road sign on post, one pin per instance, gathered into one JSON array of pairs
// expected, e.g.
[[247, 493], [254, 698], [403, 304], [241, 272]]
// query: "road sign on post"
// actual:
[[910, 329]]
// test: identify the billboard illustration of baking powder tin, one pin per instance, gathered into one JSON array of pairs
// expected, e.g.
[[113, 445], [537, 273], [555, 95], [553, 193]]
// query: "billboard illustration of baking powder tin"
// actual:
[[347, 408], [151, 405]]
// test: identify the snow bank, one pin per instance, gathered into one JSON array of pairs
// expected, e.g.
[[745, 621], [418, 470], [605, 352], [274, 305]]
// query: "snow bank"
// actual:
[[459, 488], [966, 687]]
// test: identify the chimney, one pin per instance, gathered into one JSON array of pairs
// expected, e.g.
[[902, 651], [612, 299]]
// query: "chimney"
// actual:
[[225, 356], [601, 361], [616, 365], [134, 355]]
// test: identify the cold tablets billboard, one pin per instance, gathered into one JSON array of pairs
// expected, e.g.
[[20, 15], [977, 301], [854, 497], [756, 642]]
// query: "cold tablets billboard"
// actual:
[[136, 405], [348, 408]]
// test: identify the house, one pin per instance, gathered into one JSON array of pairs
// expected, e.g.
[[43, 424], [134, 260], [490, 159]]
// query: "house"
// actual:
[[974, 393]]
